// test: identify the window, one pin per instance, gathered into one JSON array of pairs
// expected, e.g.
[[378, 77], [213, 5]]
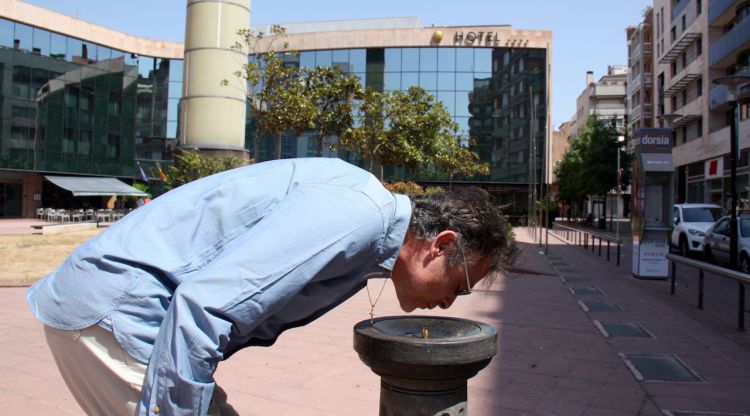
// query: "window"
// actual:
[[698, 7], [673, 33], [658, 24], [84, 142], [662, 20], [113, 146], [684, 22]]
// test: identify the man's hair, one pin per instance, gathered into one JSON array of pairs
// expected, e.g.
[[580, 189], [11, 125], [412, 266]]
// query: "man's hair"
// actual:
[[483, 231]]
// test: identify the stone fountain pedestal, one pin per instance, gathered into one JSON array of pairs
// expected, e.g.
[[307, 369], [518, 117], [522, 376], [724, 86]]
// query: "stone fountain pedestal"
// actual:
[[424, 362]]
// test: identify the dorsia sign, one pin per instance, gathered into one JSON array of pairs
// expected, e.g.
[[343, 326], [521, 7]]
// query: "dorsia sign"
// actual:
[[654, 147]]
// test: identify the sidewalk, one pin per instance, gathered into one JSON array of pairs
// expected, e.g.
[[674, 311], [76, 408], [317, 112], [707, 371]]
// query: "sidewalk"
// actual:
[[552, 357]]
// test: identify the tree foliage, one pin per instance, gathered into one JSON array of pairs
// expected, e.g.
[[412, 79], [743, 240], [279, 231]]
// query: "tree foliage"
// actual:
[[275, 92], [331, 95], [190, 165], [409, 128], [589, 167], [369, 137], [569, 174]]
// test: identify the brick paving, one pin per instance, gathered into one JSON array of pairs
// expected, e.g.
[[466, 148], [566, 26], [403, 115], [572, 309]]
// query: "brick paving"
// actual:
[[552, 358]]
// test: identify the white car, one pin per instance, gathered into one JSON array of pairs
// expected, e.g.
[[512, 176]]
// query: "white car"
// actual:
[[691, 221], [717, 242]]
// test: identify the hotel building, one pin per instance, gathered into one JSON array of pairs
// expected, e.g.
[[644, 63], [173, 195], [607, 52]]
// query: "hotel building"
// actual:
[[78, 99]]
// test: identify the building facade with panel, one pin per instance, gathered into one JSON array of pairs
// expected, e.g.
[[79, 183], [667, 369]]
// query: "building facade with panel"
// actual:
[[696, 42], [494, 81], [82, 100]]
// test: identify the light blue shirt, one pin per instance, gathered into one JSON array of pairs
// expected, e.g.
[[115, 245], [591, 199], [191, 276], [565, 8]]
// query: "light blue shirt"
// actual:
[[223, 263]]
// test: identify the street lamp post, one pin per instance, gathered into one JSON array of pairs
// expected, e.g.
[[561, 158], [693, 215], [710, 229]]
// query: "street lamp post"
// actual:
[[620, 140], [733, 82]]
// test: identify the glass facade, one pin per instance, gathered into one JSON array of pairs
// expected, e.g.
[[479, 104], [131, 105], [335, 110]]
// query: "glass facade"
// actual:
[[77, 107], [497, 96]]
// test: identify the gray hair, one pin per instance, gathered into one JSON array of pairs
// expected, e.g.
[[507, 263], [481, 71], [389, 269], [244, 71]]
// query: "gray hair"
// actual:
[[483, 231]]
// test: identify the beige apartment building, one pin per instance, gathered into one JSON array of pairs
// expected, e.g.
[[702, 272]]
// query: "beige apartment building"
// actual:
[[695, 42]]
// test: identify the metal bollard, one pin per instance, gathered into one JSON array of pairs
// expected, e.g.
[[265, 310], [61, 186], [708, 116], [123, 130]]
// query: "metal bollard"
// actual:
[[424, 362]]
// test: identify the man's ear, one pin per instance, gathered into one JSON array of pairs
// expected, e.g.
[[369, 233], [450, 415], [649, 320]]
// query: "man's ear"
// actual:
[[444, 241]]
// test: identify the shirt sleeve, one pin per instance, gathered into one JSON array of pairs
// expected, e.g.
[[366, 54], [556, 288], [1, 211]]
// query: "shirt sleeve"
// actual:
[[315, 233]]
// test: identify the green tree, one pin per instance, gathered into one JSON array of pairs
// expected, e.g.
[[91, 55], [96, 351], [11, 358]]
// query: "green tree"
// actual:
[[590, 166], [420, 129], [410, 129], [452, 157], [332, 95], [285, 105], [368, 138], [190, 165], [569, 175], [275, 93]]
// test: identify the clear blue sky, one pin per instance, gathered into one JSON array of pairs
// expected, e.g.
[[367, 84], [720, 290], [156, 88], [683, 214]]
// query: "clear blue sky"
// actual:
[[587, 34]]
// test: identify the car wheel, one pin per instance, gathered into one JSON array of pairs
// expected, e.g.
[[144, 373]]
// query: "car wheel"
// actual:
[[707, 252], [744, 263], [684, 251]]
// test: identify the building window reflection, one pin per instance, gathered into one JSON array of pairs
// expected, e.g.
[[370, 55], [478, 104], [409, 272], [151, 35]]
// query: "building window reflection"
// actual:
[[77, 105]]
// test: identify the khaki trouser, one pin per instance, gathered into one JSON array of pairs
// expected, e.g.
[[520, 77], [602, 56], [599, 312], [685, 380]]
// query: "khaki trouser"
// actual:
[[102, 376]]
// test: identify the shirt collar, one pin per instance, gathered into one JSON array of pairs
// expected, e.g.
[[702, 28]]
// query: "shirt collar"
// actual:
[[396, 233]]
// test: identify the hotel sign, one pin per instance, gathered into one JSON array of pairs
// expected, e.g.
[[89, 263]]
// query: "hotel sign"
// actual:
[[488, 38]]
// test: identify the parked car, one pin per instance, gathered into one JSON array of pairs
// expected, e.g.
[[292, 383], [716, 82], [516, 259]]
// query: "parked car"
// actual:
[[716, 242], [691, 221]]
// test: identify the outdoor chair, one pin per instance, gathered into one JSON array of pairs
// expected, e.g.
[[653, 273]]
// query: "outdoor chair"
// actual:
[[52, 215], [76, 215], [104, 215], [63, 215]]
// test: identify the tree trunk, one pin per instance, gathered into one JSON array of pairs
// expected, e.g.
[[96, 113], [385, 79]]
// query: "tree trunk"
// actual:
[[318, 145], [256, 149], [278, 145]]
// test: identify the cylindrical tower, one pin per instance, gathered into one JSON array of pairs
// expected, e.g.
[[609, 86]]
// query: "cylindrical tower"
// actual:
[[212, 115]]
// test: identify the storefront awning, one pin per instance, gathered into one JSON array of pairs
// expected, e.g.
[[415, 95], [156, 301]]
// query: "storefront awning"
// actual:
[[91, 186]]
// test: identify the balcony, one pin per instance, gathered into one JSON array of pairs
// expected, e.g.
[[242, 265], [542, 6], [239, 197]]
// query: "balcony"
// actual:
[[635, 113], [717, 97], [679, 47], [723, 53], [634, 83], [609, 91], [647, 110], [678, 8], [681, 84], [718, 9]]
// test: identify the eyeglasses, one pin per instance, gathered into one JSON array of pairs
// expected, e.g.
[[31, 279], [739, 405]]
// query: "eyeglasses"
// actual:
[[467, 291]]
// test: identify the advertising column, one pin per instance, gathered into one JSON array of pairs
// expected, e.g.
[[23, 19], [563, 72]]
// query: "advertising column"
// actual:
[[652, 190]]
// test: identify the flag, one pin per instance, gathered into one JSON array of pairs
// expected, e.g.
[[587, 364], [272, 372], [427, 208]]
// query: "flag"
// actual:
[[162, 175], [143, 174]]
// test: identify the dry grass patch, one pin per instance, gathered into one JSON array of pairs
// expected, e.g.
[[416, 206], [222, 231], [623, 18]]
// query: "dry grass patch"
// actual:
[[28, 258]]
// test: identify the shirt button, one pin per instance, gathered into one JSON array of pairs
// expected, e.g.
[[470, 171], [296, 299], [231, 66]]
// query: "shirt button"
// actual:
[[157, 409]]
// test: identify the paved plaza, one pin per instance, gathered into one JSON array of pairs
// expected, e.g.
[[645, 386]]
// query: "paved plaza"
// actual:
[[561, 350]]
